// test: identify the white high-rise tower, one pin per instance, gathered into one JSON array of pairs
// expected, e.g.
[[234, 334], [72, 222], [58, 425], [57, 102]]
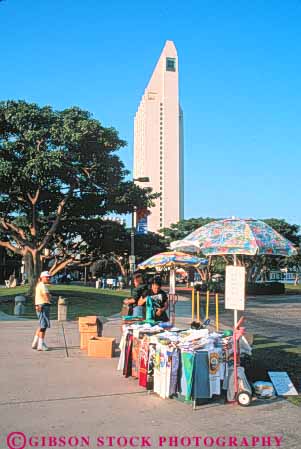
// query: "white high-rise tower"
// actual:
[[158, 140]]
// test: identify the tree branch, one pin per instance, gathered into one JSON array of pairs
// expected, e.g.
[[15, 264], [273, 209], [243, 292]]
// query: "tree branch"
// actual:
[[120, 265], [33, 200], [64, 263], [11, 227], [55, 224], [39, 143], [11, 247]]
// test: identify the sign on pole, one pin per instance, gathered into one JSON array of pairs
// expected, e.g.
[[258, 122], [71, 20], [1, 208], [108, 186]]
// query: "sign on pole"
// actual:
[[172, 281], [235, 289], [141, 220], [282, 383]]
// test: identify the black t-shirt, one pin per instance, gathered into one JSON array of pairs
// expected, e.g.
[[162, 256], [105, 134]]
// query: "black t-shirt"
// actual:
[[138, 292], [159, 300]]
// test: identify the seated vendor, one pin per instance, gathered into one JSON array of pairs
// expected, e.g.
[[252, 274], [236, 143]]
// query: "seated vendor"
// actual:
[[159, 299], [139, 288]]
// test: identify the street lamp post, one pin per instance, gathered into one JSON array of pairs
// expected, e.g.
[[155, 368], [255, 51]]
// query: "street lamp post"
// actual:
[[132, 254]]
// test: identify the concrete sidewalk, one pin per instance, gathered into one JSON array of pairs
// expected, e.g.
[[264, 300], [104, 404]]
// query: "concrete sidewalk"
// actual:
[[58, 393]]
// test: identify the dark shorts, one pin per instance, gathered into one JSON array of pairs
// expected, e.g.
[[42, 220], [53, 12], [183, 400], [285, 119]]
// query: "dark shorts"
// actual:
[[44, 316]]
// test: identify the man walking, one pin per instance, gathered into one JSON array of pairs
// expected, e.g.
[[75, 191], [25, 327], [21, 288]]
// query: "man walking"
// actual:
[[42, 304]]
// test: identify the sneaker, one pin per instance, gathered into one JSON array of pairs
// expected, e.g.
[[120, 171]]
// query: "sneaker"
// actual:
[[43, 347]]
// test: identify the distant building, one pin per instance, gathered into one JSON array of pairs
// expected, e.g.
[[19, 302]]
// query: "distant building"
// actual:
[[158, 140], [286, 276]]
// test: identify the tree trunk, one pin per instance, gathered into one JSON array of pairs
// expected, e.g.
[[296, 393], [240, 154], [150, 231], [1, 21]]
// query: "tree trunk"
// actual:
[[28, 267], [36, 271], [120, 265]]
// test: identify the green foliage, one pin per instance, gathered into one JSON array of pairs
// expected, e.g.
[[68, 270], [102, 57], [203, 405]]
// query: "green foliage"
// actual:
[[180, 230], [113, 254], [59, 176]]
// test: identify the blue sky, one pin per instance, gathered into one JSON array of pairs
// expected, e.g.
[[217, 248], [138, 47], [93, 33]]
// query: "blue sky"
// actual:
[[240, 85]]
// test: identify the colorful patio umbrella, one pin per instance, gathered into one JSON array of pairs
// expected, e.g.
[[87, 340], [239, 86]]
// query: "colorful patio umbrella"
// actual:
[[237, 236], [172, 259], [185, 246]]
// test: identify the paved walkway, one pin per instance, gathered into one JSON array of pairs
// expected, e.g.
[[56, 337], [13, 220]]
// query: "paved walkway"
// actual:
[[63, 392]]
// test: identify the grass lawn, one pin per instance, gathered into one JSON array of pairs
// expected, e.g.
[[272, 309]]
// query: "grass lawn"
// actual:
[[270, 356], [81, 300], [291, 288]]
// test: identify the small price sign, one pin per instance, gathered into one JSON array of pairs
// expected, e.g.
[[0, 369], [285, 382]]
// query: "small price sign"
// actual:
[[235, 289]]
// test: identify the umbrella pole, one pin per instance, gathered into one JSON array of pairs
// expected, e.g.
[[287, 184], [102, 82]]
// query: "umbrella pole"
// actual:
[[172, 281], [198, 306], [192, 304], [172, 295], [235, 311]]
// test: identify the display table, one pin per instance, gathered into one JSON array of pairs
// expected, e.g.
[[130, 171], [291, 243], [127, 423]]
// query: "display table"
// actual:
[[192, 364]]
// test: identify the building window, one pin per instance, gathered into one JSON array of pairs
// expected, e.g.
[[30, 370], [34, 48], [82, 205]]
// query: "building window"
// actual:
[[171, 64]]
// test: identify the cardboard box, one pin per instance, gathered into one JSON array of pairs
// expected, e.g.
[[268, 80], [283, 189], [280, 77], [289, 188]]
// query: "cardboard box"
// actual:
[[103, 347], [85, 336], [85, 322]]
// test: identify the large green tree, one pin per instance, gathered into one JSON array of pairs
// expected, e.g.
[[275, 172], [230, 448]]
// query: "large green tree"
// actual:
[[59, 175], [117, 246]]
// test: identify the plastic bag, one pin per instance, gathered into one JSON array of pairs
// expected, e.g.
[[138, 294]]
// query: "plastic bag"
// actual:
[[263, 389]]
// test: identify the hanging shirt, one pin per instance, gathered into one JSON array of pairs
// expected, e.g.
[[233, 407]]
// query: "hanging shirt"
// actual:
[[144, 353], [174, 378], [214, 359], [164, 372], [187, 367], [150, 367], [122, 352], [201, 387], [157, 372], [135, 357]]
